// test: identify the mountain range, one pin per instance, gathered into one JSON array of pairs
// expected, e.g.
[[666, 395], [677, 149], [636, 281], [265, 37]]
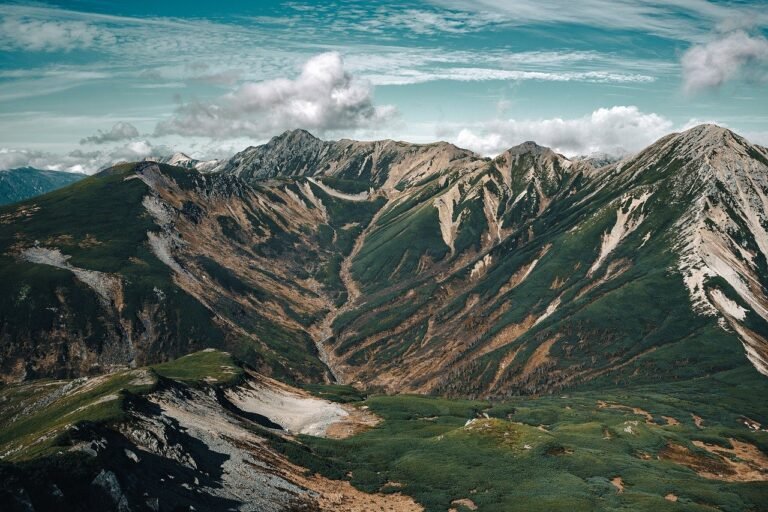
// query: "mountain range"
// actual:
[[23, 183], [388, 269]]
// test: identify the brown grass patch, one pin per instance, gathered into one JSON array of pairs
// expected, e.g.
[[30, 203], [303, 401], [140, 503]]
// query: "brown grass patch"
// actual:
[[671, 422], [601, 404], [358, 421], [743, 462], [539, 357]]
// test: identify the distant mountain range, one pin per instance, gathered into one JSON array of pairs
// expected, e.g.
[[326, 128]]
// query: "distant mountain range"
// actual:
[[19, 184]]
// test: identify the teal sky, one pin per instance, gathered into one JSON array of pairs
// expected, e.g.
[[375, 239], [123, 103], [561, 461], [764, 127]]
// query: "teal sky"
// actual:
[[87, 83]]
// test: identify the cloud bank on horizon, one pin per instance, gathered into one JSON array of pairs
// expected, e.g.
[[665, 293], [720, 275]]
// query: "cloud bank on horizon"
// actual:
[[85, 85]]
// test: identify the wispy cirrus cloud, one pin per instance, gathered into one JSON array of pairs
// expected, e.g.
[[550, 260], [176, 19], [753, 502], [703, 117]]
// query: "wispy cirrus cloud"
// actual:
[[684, 20], [29, 34], [426, 22], [228, 53], [460, 74], [390, 21]]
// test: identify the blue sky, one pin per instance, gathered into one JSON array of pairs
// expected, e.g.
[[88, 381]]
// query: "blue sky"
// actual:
[[87, 83]]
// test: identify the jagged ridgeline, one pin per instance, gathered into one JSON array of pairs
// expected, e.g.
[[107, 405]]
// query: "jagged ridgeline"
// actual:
[[403, 267]]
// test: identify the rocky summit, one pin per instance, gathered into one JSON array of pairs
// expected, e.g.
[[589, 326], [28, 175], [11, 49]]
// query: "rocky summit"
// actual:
[[311, 325]]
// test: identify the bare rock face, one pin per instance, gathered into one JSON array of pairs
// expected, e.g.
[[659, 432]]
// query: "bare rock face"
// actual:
[[107, 482]]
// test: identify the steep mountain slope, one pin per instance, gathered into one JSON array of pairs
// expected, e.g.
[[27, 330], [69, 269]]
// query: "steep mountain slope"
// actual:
[[144, 262], [576, 278], [19, 184]]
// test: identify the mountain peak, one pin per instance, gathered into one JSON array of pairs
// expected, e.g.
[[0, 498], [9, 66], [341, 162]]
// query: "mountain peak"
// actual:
[[529, 146], [296, 135], [709, 134], [179, 157]]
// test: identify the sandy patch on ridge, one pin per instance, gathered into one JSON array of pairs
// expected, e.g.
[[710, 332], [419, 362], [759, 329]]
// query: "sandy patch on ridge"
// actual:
[[297, 411]]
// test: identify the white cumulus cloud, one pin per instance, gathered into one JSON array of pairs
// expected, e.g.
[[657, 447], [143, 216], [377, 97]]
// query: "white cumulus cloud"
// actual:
[[88, 162], [50, 35], [324, 97], [710, 65], [120, 131], [611, 130]]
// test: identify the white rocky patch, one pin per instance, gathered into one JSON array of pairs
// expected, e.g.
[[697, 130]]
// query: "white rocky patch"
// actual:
[[249, 475], [728, 306], [106, 286], [519, 197], [548, 312], [295, 198], [491, 208], [296, 412], [158, 210], [160, 244], [481, 267], [313, 199], [625, 224], [445, 205], [753, 347]]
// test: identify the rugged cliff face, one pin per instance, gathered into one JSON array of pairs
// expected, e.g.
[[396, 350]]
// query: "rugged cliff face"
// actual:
[[406, 267]]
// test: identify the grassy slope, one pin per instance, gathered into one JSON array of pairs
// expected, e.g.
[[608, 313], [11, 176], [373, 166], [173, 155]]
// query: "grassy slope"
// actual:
[[547, 453], [508, 463], [81, 221]]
